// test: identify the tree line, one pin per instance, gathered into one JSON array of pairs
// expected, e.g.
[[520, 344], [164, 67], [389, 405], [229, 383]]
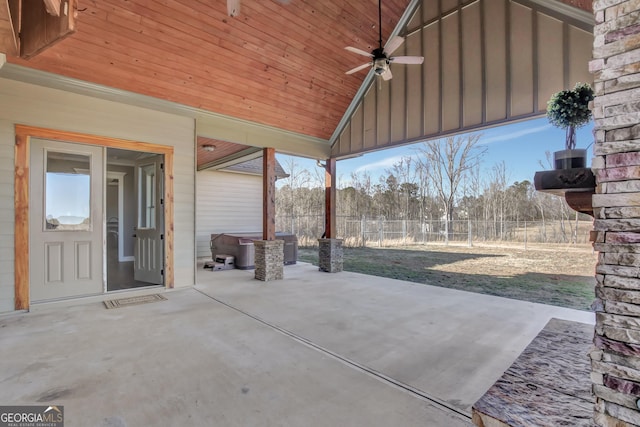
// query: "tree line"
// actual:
[[443, 181]]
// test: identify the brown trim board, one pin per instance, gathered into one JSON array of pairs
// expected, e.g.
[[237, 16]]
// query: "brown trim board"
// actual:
[[21, 196]]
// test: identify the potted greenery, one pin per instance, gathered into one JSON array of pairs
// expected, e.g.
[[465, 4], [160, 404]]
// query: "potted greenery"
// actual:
[[569, 109]]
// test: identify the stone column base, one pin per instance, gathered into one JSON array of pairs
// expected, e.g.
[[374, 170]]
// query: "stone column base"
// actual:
[[330, 255], [269, 259]]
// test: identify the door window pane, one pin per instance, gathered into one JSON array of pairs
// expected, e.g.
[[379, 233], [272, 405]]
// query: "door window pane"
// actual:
[[147, 193], [68, 192]]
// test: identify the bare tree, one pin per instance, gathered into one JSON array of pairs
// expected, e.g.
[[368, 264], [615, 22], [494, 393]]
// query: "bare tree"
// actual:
[[317, 177], [474, 193], [424, 195], [499, 184], [449, 160], [293, 197], [405, 172], [364, 187]]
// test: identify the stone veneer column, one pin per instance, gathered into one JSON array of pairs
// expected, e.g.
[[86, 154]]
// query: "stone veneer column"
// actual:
[[269, 259], [615, 360], [330, 255]]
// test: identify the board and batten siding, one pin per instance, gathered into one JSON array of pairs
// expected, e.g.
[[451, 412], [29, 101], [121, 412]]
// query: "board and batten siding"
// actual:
[[32, 105], [226, 202], [487, 63]]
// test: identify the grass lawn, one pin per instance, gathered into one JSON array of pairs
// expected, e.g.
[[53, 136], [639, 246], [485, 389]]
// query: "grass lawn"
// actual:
[[561, 275]]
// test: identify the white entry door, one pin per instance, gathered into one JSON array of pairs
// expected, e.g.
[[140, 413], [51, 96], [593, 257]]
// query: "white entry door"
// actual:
[[65, 220], [149, 234]]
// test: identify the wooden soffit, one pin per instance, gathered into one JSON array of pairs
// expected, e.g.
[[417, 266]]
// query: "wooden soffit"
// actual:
[[217, 154], [487, 62]]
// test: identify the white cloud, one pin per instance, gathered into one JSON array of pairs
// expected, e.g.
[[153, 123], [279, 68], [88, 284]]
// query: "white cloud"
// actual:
[[514, 135], [380, 164]]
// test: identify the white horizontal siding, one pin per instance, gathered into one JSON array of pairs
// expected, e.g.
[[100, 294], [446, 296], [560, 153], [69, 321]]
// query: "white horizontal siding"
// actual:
[[6, 216], [226, 202], [27, 104], [184, 212]]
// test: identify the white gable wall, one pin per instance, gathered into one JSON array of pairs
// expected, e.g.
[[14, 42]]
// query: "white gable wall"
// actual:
[[227, 202], [27, 104]]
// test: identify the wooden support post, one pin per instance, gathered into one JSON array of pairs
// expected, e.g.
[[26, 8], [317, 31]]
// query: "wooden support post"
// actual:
[[21, 200], [330, 253], [330, 199], [269, 194]]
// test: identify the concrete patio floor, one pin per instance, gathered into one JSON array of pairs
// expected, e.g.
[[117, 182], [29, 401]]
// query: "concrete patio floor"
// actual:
[[314, 349]]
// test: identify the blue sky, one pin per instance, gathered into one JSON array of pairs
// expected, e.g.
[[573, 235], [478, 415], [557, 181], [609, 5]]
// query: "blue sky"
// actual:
[[68, 195], [521, 146]]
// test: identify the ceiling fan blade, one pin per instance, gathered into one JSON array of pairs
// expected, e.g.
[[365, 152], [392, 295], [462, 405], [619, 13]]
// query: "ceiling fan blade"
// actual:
[[387, 75], [407, 59], [359, 51], [233, 7], [358, 68], [393, 44]]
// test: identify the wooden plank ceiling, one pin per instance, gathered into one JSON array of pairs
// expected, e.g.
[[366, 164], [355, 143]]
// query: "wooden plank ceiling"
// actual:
[[279, 63]]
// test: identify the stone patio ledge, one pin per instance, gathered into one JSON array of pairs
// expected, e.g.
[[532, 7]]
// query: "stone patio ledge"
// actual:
[[548, 384]]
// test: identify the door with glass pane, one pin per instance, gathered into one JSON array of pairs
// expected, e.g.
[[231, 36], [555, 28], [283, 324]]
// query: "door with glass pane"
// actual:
[[149, 243], [65, 220]]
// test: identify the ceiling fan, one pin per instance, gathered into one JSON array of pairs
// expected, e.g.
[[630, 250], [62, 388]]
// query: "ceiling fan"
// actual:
[[233, 7], [381, 57]]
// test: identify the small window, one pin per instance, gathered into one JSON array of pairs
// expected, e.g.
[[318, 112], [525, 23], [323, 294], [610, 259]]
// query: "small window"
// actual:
[[147, 193], [68, 192]]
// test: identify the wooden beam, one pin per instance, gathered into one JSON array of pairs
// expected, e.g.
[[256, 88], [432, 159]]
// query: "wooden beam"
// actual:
[[40, 29], [269, 194], [330, 199], [10, 26], [52, 6]]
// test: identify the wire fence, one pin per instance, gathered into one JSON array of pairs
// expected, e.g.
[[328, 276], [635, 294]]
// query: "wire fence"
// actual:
[[394, 232]]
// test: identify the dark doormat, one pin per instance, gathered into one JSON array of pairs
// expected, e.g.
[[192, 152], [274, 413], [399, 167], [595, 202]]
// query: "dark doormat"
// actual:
[[126, 302]]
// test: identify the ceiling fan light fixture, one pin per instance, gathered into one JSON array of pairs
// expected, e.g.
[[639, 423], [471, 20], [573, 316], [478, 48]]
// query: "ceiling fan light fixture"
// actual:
[[381, 56], [380, 66]]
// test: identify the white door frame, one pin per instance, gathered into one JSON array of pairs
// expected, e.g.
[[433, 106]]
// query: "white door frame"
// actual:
[[120, 177]]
